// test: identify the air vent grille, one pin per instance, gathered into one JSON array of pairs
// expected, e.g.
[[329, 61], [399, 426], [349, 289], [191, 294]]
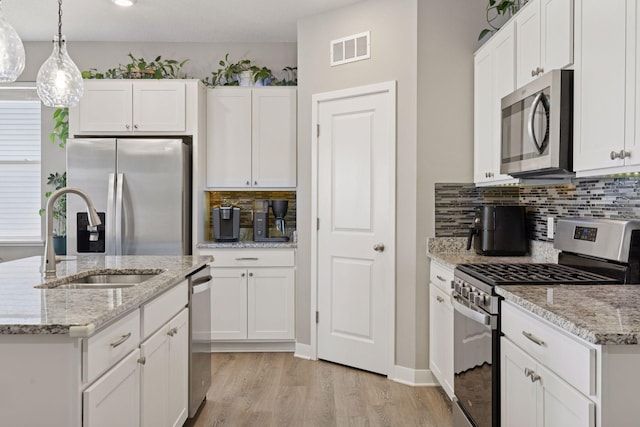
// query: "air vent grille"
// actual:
[[351, 48]]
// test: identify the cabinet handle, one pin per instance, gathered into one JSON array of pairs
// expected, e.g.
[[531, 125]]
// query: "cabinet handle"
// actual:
[[533, 338], [250, 274], [620, 155], [442, 279], [142, 360], [171, 332], [121, 340], [247, 259], [440, 299]]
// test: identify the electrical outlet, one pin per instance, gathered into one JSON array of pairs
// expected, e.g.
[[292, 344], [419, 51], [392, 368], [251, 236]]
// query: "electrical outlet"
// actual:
[[550, 227]]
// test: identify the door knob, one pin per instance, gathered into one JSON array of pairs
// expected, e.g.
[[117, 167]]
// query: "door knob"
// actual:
[[378, 247]]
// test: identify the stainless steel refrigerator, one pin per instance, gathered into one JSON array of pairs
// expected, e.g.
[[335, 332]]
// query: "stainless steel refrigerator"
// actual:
[[141, 188]]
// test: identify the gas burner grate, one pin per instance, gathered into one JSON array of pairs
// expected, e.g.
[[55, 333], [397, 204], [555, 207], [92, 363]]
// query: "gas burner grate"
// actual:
[[527, 274]]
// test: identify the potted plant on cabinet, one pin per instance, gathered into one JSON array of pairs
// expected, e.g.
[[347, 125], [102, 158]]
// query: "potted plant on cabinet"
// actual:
[[497, 8]]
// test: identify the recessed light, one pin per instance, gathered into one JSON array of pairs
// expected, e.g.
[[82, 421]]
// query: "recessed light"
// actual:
[[125, 3]]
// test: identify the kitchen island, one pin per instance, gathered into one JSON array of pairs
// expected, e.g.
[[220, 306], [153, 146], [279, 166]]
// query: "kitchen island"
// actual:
[[95, 357], [574, 348]]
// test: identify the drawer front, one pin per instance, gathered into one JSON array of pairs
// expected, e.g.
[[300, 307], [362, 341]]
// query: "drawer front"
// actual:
[[110, 345], [441, 277], [251, 258], [160, 310], [557, 350]]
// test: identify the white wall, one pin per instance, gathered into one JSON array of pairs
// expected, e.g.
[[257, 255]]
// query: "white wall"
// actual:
[[427, 47], [447, 38]]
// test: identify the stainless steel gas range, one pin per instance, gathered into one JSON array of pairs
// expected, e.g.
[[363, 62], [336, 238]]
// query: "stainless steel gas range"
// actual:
[[593, 251]]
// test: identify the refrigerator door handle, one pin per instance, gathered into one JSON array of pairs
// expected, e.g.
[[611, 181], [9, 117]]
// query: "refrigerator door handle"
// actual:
[[110, 225], [118, 230]]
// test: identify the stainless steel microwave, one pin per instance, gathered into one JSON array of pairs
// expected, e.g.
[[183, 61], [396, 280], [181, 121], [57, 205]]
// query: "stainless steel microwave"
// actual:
[[537, 128]]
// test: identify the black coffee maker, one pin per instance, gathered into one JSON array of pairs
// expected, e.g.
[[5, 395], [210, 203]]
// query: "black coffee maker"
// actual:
[[226, 224], [499, 231], [261, 221]]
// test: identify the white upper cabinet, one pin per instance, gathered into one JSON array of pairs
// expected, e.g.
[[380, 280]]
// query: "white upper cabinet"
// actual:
[[126, 106], [606, 112], [494, 78], [544, 36], [251, 137]]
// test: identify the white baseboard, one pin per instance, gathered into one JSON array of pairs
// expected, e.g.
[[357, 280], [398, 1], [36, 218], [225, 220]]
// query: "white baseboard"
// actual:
[[413, 377], [304, 351], [251, 347]]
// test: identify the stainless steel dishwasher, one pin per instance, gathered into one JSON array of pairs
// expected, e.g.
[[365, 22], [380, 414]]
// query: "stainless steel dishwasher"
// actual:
[[199, 324]]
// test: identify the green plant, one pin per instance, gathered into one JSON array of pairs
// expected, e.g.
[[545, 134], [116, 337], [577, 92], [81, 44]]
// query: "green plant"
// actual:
[[227, 74], [61, 127], [138, 68], [497, 8], [58, 181], [290, 77], [261, 74]]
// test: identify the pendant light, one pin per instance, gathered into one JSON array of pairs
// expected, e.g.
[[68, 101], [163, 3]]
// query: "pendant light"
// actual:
[[59, 82], [11, 52]]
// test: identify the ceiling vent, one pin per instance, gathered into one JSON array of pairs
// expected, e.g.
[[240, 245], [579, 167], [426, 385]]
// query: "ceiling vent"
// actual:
[[351, 48]]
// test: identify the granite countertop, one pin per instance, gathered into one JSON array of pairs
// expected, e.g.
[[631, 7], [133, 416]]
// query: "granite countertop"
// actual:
[[25, 309], [599, 314], [452, 251], [247, 244]]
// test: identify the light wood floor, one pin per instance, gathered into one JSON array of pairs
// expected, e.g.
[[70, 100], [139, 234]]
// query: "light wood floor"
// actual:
[[277, 389]]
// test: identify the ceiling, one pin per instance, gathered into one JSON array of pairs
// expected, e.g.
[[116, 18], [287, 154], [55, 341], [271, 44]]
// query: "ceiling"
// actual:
[[164, 20]]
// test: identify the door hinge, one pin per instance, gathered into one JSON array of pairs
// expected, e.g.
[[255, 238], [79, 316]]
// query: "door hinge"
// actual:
[[317, 223], [317, 317], [318, 131]]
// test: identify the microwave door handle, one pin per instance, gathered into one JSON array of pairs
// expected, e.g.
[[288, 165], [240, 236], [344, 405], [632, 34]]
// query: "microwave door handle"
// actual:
[[540, 98]]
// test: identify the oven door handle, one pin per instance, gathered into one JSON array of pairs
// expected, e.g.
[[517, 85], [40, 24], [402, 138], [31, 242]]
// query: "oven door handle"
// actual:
[[476, 316]]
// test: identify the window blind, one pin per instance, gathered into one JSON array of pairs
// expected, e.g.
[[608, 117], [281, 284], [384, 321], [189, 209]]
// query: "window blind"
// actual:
[[20, 182]]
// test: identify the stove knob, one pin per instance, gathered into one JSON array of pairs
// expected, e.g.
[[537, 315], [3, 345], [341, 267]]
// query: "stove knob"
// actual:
[[472, 297], [465, 291], [479, 300], [456, 287]]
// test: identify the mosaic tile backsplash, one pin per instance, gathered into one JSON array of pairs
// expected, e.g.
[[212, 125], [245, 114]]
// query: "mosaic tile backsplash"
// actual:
[[615, 198], [245, 201]]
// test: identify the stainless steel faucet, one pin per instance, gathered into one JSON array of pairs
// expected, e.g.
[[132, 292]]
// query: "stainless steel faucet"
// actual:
[[49, 259]]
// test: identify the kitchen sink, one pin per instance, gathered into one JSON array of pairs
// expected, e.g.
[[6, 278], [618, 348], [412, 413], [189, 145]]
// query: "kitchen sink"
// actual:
[[103, 280]]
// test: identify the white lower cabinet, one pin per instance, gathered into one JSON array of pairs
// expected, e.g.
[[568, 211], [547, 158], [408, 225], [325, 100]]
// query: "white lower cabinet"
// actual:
[[252, 299], [164, 376], [441, 326], [114, 399], [254, 304], [533, 396]]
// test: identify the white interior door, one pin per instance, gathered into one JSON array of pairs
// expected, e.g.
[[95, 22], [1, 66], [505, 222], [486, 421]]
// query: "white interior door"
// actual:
[[356, 236]]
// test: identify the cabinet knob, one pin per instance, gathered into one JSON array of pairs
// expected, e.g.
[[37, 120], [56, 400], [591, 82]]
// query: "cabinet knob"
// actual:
[[242, 275], [378, 247], [534, 73], [127, 126], [255, 182], [250, 274], [171, 332], [135, 126], [248, 182], [440, 299], [142, 360]]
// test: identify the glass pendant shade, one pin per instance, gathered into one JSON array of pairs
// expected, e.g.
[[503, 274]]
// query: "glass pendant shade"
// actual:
[[11, 52], [59, 83]]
